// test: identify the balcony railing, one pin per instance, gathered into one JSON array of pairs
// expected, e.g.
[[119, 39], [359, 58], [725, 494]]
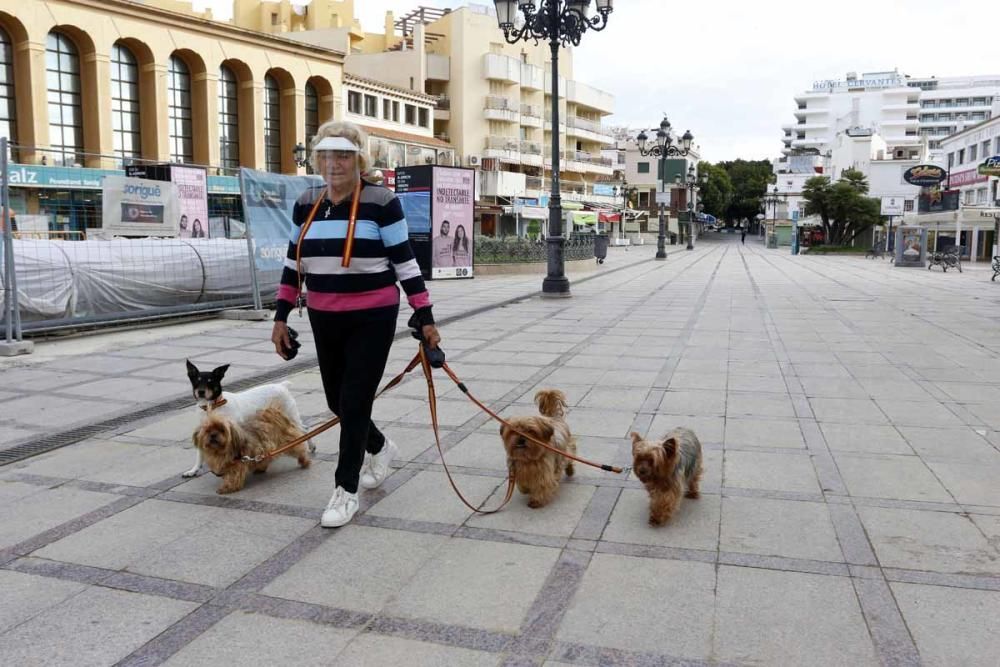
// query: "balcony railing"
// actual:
[[531, 147], [503, 143], [531, 110], [585, 124], [499, 102], [442, 102], [533, 182]]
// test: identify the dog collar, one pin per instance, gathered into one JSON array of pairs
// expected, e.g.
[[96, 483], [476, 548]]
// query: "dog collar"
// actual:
[[217, 403]]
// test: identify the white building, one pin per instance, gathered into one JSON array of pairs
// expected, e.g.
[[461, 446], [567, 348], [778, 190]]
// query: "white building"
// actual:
[[972, 223], [899, 108], [949, 104]]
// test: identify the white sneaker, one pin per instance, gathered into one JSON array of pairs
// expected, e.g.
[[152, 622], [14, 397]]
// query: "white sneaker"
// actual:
[[340, 510], [376, 467]]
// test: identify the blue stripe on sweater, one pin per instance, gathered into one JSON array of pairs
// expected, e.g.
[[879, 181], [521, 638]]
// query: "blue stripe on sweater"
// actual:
[[337, 229]]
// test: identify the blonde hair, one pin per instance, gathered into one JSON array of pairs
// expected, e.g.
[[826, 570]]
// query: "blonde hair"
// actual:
[[349, 131]]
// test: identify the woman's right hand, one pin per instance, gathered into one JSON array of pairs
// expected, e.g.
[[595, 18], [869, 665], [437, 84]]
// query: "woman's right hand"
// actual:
[[282, 341]]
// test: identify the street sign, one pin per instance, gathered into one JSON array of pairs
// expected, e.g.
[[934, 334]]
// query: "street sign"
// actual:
[[663, 198], [892, 206]]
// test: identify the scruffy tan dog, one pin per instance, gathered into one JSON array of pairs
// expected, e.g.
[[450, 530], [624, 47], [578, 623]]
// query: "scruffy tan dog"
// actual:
[[666, 467], [224, 442], [537, 470]]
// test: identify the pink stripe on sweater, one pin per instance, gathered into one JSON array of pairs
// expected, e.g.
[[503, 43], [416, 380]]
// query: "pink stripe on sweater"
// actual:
[[420, 300], [288, 293], [339, 302]]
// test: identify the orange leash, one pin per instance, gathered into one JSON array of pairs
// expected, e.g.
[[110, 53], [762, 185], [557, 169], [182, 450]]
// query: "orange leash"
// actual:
[[298, 246], [421, 360]]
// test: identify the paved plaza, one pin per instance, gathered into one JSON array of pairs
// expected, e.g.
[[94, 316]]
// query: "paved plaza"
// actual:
[[849, 411]]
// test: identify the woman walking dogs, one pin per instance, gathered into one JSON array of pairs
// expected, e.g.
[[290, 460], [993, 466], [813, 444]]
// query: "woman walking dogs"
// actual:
[[353, 249]]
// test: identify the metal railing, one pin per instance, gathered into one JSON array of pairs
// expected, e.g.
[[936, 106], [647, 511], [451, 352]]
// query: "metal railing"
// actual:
[[531, 147], [503, 143], [513, 250], [531, 111], [499, 102]]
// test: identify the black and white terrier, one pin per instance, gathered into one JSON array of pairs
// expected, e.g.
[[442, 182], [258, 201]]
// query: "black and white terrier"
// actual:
[[241, 406]]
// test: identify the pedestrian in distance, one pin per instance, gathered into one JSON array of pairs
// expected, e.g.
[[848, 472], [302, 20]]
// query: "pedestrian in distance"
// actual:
[[353, 300]]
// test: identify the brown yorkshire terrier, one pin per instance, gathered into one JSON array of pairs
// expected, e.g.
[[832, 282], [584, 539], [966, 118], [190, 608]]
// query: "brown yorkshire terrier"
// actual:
[[666, 467], [537, 470], [223, 442]]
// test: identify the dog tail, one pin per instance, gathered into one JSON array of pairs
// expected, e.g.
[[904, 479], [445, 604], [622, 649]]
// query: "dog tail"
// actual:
[[551, 403]]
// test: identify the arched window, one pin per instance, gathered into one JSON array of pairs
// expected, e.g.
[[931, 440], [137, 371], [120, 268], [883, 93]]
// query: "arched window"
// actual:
[[312, 116], [8, 117], [272, 125], [179, 106], [125, 103], [229, 126], [62, 69]]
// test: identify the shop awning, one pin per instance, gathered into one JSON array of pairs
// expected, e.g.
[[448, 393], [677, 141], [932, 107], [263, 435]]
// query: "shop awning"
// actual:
[[609, 216], [585, 218]]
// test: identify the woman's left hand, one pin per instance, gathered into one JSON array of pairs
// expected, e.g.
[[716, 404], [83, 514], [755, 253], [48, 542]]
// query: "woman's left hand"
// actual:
[[431, 335]]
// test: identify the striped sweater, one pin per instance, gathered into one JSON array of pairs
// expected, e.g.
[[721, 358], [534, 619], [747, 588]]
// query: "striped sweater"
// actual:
[[382, 255]]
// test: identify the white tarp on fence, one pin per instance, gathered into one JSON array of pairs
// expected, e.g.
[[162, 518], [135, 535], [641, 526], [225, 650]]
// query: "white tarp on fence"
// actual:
[[76, 279]]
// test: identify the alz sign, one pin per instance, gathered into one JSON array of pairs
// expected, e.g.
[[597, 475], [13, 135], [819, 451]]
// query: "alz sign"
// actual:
[[991, 167], [924, 175]]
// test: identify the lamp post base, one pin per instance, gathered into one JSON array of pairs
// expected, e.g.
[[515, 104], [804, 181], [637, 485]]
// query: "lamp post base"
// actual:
[[556, 287], [660, 254]]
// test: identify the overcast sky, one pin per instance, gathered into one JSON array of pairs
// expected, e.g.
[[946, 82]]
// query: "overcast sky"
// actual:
[[727, 70]]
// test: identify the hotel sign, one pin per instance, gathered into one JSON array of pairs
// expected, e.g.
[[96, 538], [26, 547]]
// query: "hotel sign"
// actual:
[[833, 85], [924, 175], [967, 177]]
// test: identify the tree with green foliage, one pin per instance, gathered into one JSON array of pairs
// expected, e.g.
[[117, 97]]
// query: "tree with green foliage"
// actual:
[[749, 180], [842, 207], [715, 194]]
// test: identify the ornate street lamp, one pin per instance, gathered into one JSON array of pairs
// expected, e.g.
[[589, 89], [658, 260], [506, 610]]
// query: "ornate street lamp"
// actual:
[[561, 22], [662, 149], [692, 183], [626, 193], [773, 198], [299, 155]]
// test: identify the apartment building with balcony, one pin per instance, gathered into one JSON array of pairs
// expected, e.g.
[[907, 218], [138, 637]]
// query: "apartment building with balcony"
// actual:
[[492, 104], [900, 108]]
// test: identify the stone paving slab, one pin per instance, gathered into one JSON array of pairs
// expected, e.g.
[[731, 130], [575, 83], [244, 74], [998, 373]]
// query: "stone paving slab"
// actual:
[[848, 512]]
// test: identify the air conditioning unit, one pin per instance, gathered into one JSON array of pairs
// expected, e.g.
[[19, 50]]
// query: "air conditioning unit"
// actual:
[[473, 160]]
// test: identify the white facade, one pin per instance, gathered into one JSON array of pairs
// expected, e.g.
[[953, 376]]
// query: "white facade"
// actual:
[[963, 152], [378, 105], [900, 108]]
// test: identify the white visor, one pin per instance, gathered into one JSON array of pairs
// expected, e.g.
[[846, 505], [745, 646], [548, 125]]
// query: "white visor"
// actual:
[[336, 144]]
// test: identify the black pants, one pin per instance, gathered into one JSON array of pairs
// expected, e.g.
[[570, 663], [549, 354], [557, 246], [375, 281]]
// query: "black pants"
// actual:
[[353, 348], [743, 238]]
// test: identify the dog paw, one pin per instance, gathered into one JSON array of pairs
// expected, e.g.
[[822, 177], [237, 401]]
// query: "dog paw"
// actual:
[[535, 503], [193, 472], [692, 494], [312, 447]]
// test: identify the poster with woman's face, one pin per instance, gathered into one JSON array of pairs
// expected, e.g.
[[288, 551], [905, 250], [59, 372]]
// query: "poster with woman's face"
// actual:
[[452, 202]]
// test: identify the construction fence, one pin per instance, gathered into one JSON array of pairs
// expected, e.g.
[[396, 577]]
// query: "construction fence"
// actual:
[[87, 246]]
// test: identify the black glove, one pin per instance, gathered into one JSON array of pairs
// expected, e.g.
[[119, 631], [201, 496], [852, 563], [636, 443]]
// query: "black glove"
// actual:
[[436, 355], [293, 349]]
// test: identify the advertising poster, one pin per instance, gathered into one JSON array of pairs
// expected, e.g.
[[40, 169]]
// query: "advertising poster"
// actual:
[[452, 204], [192, 192], [268, 200], [413, 187], [139, 207], [910, 246]]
